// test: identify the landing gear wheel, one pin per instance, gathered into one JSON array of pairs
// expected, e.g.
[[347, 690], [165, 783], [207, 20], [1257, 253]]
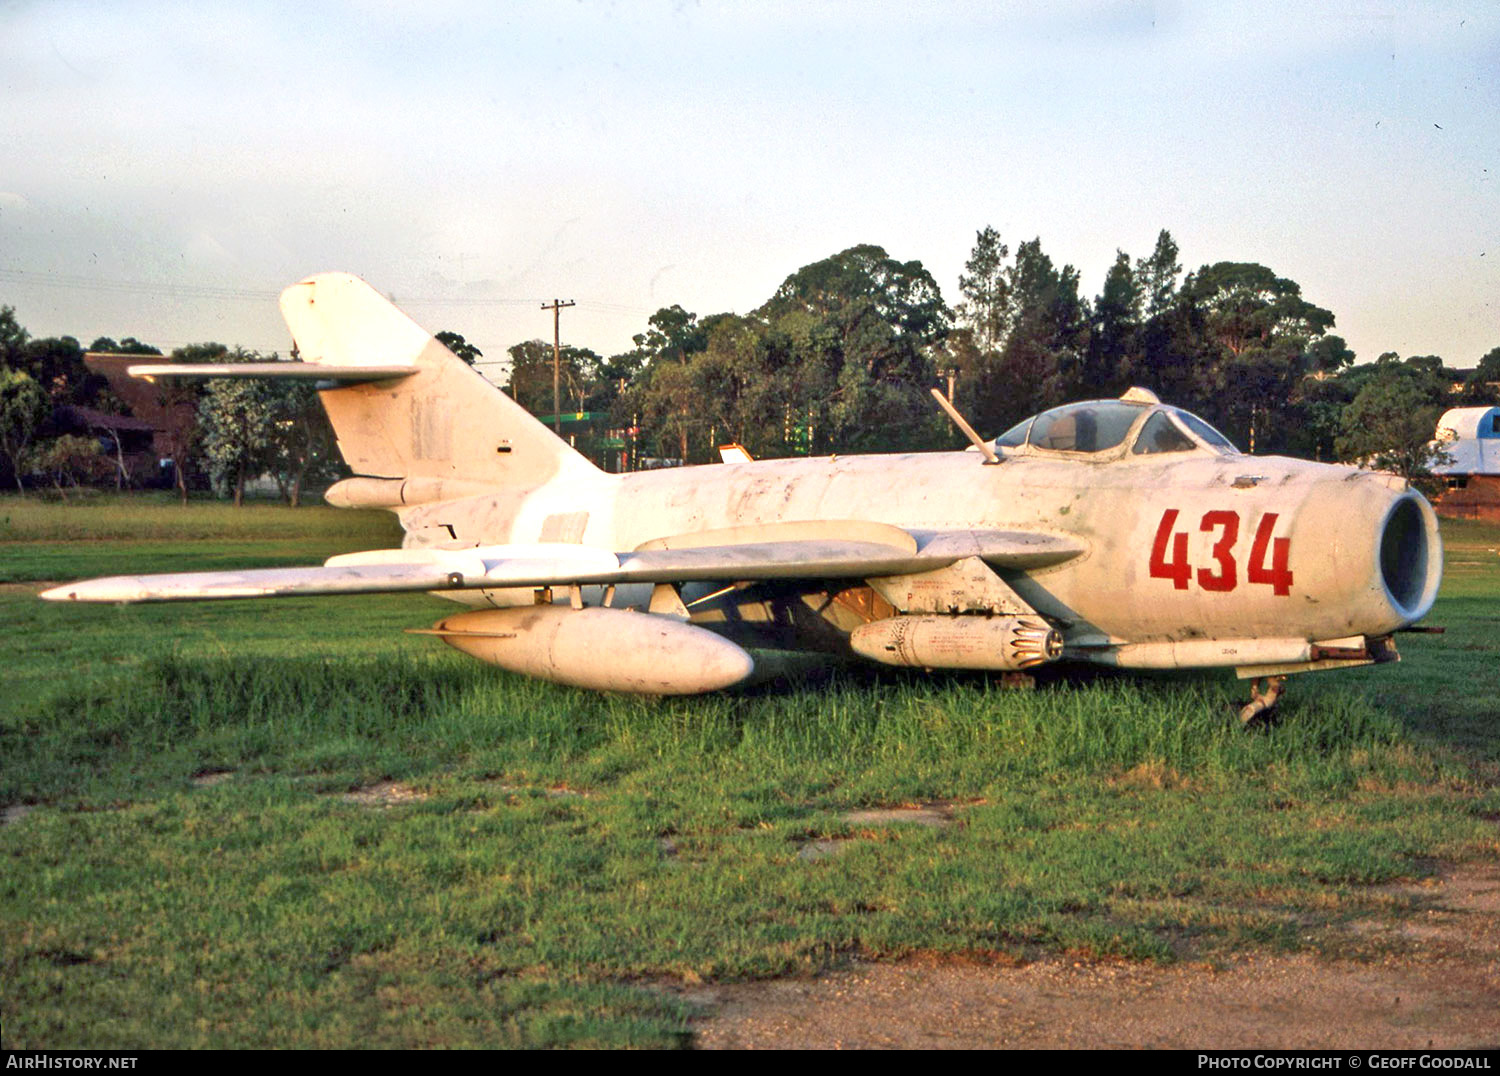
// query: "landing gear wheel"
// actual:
[[1261, 709]]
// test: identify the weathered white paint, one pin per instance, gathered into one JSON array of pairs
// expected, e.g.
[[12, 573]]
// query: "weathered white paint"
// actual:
[[1191, 558]]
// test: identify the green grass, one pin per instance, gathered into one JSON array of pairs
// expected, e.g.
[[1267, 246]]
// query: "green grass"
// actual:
[[43, 540], [1449, 685], [575, 849], [93, 517]]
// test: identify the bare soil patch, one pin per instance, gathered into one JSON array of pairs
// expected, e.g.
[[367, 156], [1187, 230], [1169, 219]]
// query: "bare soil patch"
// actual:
[[552, 792], [1436, 986], [15, 812], [384, 794], [937, 814]]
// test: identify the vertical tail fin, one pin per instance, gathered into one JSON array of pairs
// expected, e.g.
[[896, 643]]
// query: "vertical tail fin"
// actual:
[[443, 421]]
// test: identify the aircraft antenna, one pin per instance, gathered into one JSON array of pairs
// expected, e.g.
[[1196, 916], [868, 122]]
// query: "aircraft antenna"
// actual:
[[965, 428]]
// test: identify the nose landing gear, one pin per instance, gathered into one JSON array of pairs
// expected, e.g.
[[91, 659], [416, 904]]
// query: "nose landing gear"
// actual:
[[1261, 708]]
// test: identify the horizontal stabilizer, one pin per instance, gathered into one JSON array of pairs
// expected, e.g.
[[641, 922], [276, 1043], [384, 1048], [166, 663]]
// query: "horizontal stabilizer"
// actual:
[[403, 405], [310, 371]]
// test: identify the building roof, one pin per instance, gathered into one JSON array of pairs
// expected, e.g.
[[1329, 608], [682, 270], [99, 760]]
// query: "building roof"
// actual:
[[72, 414], [146, 400], [1471, 435]]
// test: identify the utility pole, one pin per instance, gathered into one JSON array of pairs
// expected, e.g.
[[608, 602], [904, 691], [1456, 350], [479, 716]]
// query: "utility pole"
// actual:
[[556, 306]]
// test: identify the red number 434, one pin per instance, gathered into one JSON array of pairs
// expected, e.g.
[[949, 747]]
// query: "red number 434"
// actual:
[[1268, 554]]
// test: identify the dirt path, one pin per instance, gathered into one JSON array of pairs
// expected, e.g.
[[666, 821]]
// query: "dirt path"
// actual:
[[1442, 991]]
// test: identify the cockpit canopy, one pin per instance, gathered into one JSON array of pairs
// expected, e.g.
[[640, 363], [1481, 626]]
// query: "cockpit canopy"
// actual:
[[1104, 427]]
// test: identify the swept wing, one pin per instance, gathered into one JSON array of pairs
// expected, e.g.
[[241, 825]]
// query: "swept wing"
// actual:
[[556, 564]]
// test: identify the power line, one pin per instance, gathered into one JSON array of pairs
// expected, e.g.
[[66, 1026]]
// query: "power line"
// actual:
[[80, 283], [219, 293], [72, 282]]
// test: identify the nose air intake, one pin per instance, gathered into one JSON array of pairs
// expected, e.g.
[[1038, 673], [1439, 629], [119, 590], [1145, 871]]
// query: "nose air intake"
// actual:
[[1411, 554]]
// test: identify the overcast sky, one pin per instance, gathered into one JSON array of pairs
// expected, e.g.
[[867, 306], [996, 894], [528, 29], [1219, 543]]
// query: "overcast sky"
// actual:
[[165, 169]]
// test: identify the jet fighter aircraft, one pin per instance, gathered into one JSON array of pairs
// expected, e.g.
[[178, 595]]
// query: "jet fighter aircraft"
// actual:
[[1120, 532]]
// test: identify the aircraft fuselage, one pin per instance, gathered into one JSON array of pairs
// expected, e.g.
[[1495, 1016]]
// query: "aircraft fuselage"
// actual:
[[1230, 560]]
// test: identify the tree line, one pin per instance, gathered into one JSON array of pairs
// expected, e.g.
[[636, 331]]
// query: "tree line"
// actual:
[[55, 427], [839, 359], [842, 356]]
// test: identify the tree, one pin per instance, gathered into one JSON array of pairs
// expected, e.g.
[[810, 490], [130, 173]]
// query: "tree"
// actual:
[[838, 359], [1114, 331], [673, 333], [1156, 277], [1153, 346], [56, 362], [671, 410], [1040, 363], [1319, 417], [1391, 422], [12, 338], [687, 406], [23, 408], [177, 402], [237, 420], [530, 382], [613, 376], [840, 288], [1482, 386], [1329, 355], [460, 347], [67, 460], [1253, 339], [302, 445], [251, 427], [747, 388], [665, 396], [864, 332], [985, 309], [128, 346]]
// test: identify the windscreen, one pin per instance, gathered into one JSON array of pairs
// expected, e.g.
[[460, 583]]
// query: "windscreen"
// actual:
[[1014, 437], [1084, 427], [1161, 434], [1213, 437]]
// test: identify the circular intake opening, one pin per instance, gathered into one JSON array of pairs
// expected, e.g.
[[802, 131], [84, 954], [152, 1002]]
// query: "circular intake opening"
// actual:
[[1408, 556]]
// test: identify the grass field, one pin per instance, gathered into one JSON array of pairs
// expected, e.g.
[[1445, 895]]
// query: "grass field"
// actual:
[[194, 871]]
